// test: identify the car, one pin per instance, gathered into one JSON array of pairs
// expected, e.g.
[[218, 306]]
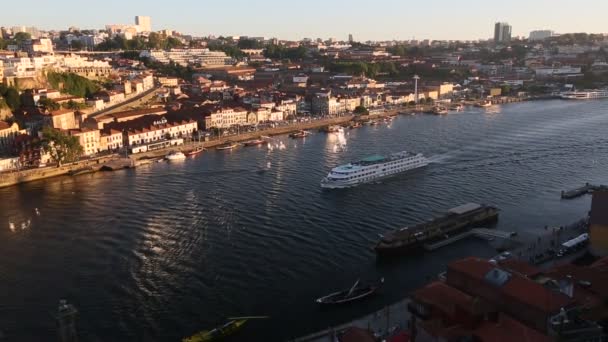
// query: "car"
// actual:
[[506, 255]]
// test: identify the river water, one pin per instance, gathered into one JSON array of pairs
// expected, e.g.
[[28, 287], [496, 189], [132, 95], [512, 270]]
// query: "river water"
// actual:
[[162, 251]]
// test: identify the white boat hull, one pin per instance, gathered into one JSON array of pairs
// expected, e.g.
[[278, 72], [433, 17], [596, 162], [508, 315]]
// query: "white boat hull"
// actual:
[[342, 177]]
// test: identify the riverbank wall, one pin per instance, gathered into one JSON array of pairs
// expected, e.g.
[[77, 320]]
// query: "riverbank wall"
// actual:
[[80, 167]]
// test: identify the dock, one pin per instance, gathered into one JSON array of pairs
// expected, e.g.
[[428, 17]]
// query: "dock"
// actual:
[[583, 190], [479, 232], [384, 322]]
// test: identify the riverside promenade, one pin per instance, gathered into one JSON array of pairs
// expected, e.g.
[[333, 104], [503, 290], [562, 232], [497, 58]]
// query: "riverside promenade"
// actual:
[[96, 164]]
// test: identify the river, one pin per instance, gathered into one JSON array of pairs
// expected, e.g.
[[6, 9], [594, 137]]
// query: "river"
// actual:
[[162, 251]]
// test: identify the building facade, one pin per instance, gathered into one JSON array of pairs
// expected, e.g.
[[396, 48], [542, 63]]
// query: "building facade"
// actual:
[[502, 33]]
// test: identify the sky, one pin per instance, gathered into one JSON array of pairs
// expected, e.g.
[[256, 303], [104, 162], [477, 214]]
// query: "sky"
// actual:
[[364, 19]]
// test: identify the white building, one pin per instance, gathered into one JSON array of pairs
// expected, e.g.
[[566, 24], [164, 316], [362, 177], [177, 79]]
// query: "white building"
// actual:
[[226, 117], [160, 130], [541, 35], [559, 71], [144, 23], [184, 57]]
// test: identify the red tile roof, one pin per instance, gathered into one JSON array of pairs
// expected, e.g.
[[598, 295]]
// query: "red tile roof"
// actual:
[[444, 297], [61, 112], [508, 329], [517, 287], [520, 266]]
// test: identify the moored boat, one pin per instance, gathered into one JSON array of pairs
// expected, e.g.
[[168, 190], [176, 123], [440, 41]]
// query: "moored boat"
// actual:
[[229, 145], [457, 107], [195, 152], [175, 155], [356, 125], [585, 94], [255, 142], [484, 104], [299, 134], [439, 110], [456, 220], [356, 292]]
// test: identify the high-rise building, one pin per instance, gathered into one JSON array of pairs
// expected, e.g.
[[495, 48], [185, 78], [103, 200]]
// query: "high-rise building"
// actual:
[[598, 223], [541, 35], [350, 38], [502, 33], [144, 23]]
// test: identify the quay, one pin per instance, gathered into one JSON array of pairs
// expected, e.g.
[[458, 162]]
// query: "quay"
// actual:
[[385, 323], [478, 232], [583, 190]]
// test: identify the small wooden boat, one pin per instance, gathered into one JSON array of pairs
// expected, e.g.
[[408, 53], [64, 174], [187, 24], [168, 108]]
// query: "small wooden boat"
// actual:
[[356, 292], [484, 104], [356, 125], [256, 142], [229, 145], [300, 134], [195, 152], [373, 123], [218, 333]]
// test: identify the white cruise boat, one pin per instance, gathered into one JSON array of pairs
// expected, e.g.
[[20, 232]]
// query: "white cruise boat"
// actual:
[[585, 94], [372, 168], [176, 155]]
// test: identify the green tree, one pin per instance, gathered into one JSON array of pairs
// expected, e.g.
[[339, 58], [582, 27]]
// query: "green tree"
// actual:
[[73, 105], [48, 104], [61, 147], [21, 37], [72, 84], [361, 110], [12, 97], [76, 45]]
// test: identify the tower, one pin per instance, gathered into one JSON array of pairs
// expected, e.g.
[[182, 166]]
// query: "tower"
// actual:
[[143, 23], [502, 33], [350, 38]]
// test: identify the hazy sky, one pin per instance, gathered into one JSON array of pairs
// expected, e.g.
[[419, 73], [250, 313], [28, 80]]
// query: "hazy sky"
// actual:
[[366, 20]]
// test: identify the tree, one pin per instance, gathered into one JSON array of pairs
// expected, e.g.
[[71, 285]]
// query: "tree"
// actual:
[[21, 37], [61, 147], [73, 105], [12, 97], [48, 104], [73, 84], [361, 110], [76, 45]]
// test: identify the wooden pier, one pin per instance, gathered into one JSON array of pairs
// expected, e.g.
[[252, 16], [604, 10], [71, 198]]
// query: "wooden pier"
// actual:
[[479, 232], [583, 190]]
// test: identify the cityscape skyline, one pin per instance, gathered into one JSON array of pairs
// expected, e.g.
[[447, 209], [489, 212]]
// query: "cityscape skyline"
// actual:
[[475, 19]]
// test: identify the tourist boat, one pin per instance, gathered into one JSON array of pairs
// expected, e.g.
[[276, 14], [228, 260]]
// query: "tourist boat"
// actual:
[[371, 169], [195, 152], [218, 333], [585, 94], [229, 145], [300, 134], [175, 155], [256, 142], [356, 292]]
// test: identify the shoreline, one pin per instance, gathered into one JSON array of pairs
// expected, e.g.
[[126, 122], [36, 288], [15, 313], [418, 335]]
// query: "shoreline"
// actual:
[[116, 162]]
